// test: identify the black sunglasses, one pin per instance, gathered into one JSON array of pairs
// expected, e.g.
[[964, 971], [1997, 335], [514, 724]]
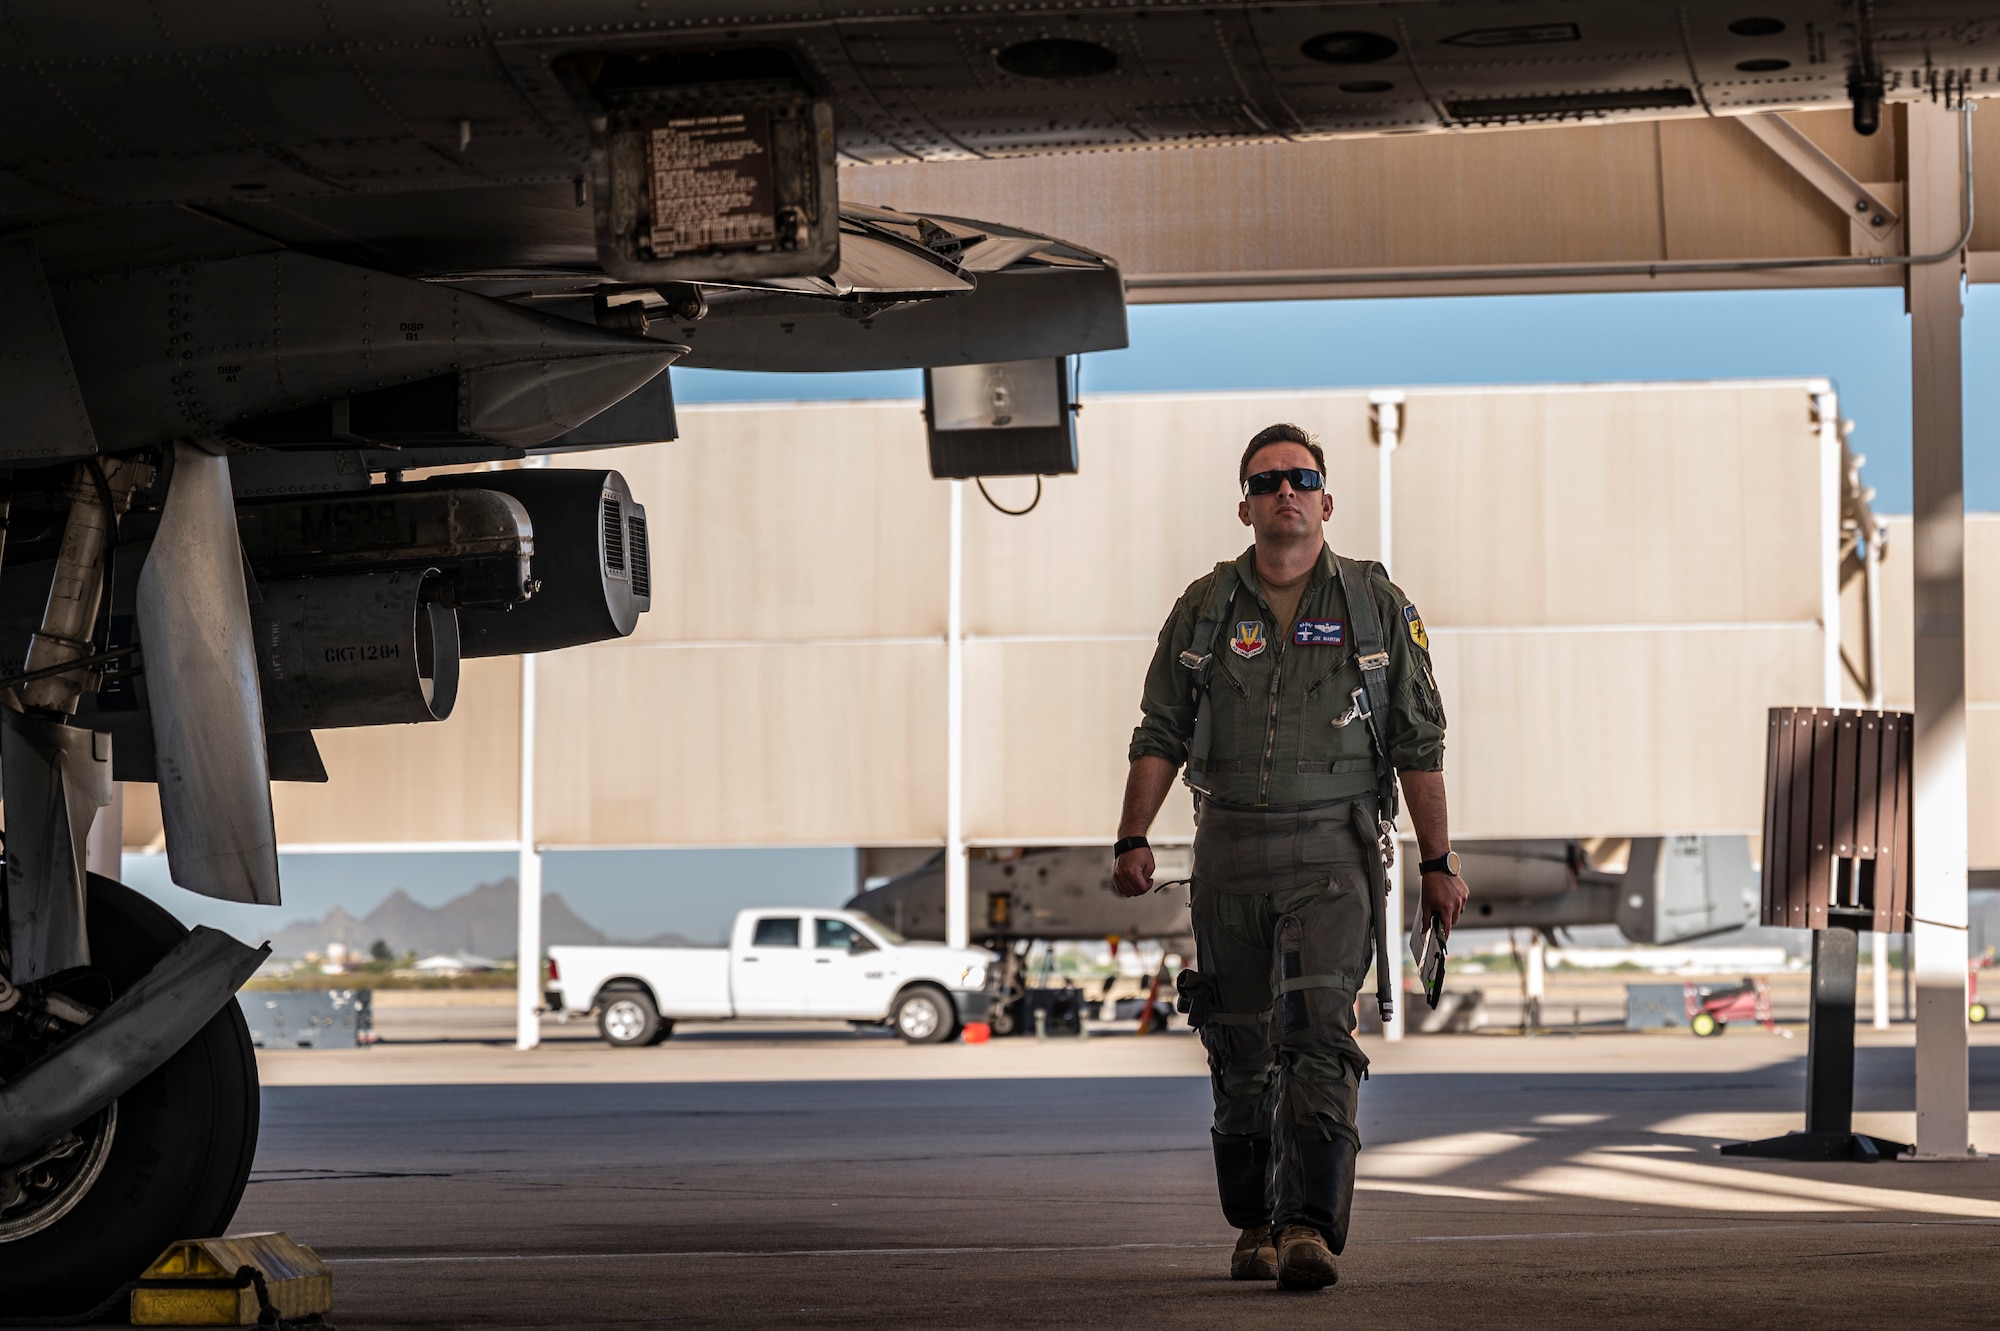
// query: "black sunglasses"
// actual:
[[1267, 482]]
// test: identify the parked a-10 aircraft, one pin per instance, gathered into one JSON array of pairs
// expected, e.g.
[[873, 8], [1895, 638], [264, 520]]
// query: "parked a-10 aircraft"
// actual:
[[261, 260]]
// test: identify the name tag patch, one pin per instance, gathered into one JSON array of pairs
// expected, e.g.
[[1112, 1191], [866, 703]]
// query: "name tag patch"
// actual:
[[1248, 640], [1416, 624], [1319, 633]]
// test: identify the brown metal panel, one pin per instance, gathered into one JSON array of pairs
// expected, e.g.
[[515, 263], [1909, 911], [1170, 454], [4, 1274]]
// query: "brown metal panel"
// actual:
[[1798, 844], [1847, 739], [1889, 885], [1868, 779], [1868, 784], [1820, 881], [1777, 782], [1899, 854]]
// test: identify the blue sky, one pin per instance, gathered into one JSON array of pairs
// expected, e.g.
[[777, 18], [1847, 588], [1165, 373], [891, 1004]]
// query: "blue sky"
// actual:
[[1859, 339]]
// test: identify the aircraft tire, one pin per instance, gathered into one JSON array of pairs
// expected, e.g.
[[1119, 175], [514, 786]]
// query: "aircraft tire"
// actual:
[[179, 1152], [925, 1015], [627, 1019]]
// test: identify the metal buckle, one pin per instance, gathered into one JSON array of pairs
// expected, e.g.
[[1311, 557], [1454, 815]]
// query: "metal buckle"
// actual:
[[1197, 662], [1374, 661], [1356, 711]]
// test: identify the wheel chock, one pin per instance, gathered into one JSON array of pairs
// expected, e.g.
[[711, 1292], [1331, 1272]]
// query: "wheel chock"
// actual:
[[232, 1282]]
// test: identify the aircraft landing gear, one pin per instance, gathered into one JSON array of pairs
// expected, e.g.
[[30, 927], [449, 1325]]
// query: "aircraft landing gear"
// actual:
[[167, 1161]]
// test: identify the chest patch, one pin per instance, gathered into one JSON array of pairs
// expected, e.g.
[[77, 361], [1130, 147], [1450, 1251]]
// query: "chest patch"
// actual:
[[1416, 625], [1248, 640], [1319, 633]]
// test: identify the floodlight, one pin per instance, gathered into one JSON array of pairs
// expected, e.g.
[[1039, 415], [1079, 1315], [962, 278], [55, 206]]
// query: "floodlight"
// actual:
[[1008, 418]]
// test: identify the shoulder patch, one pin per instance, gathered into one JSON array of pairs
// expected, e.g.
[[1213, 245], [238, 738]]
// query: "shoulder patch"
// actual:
[[1319, 633], [1248, 639], [1416, 627]]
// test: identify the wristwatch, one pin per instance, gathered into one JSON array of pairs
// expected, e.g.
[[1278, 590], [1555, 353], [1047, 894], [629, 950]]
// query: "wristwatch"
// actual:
[[1124, 844], [1445, 863]]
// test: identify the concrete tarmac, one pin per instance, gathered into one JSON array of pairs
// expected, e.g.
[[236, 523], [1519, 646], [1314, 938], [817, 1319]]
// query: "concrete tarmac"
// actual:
[[810, 1179]]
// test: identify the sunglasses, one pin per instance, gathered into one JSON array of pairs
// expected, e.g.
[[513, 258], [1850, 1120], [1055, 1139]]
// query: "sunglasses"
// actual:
[[1267, 482]]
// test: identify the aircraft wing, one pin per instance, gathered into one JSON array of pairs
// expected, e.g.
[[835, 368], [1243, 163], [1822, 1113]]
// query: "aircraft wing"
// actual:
[[460, 139]]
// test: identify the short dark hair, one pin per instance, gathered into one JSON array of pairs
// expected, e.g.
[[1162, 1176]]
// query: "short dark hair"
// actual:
[[1281, 433]]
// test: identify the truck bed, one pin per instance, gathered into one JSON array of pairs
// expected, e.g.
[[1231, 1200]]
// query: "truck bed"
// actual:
[[685, 981]]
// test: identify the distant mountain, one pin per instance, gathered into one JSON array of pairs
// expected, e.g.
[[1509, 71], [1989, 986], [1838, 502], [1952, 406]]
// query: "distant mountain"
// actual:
[[483, 922]]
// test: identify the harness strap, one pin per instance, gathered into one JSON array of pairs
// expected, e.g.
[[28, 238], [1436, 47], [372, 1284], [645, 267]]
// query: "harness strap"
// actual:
[[1237, 1018], [1299, 982], [1199, 661], [1372, 655], [1378, 874]]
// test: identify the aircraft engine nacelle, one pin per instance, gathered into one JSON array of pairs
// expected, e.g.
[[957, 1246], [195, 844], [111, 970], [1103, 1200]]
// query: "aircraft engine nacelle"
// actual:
[[592, 563], [364, 649]]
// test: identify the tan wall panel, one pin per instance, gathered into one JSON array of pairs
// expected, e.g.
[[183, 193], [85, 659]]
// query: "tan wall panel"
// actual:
[[789, 522], [452, 780], [1982, 612], [1614, 733], [1982, 784], [1609, 506], [1047, 727], [1729, 196], [1152, 508], [1471, 198], [802, 745], [142, 817], [1681, 189]]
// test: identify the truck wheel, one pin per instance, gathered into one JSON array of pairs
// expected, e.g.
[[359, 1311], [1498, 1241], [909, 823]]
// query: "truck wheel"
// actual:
[[1977, 1013], [627, 1019], [1704, 1024], [167, 1161], [925, 1016]]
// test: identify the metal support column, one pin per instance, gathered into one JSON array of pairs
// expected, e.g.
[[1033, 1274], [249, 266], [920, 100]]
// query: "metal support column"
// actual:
[[1386, 420], [528, 878], [1936, 205], [957, 875], [1830, 1037], [1386, 411]]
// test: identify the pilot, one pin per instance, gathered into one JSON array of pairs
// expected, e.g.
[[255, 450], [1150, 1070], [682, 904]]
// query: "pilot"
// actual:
[[1295, 685]]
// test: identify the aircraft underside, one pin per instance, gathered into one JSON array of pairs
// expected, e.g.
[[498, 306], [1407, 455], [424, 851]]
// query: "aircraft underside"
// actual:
[[260, 263]]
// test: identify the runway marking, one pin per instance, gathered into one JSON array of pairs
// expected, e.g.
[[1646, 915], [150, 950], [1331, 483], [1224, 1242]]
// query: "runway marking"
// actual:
[[1039, 1249]]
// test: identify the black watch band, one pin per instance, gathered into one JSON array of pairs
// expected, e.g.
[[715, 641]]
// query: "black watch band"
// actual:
[[1445, 863], [1123, 844]]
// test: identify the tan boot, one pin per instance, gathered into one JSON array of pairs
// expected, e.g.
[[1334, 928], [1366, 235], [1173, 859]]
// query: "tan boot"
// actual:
[[1254, 1258], [1304, 1260]]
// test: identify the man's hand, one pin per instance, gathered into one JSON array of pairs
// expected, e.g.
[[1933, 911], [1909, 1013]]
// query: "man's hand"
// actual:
[[1135, 872], [1444, 896]]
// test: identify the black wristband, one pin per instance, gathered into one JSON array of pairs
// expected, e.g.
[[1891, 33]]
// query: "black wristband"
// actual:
[[1124, 844]]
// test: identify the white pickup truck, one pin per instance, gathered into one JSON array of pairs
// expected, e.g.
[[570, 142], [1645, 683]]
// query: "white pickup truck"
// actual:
[[782, 964]]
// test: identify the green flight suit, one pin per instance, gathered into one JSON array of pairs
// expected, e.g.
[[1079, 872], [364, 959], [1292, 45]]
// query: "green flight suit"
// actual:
[[1282, 897]]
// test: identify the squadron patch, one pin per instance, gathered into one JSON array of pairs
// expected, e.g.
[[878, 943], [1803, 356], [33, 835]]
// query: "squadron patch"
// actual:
[[1319, 633], [1248, 640], [1416, 624]]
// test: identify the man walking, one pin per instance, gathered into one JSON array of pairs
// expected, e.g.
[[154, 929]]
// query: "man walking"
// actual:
[[1295, 685]]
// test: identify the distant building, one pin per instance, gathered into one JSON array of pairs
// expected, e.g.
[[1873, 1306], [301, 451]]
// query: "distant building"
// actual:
[[462, 964]]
